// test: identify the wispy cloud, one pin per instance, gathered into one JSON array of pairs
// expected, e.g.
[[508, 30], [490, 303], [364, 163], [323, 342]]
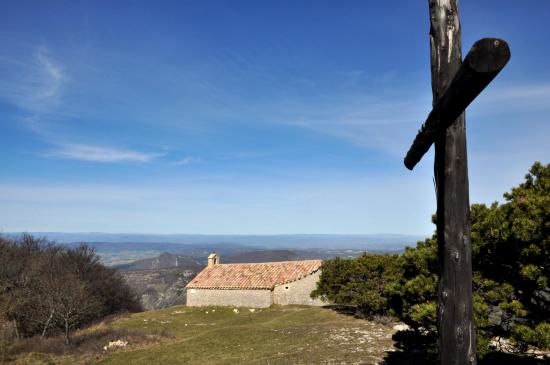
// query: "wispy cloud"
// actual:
[[382, 124], [188, 160], [517, 92], [389, 122], [34, 84], [516, 98], [82, 152]]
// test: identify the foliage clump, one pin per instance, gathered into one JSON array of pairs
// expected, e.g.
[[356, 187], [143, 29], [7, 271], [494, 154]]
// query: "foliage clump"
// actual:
[[46, 288], [361, 283], [511, 271]]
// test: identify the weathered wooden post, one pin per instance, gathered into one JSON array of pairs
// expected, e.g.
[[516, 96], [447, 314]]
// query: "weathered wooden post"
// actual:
[[454, 86], [457, 344]]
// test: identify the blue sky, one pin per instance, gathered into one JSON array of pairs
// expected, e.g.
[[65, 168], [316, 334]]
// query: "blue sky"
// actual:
[[248, 117]]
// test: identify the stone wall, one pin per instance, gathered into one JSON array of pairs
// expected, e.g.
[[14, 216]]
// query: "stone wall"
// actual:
[[225, 297], [297, 292]]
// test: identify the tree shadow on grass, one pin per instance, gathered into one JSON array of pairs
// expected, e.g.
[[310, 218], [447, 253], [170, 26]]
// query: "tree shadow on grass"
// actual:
[[510, 359], [342, 309], [413, 349]]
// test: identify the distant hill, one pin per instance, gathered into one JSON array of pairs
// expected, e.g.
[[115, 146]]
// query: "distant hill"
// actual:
[[263, 256], [288, 255], [160, 288], [160, 281], [122, 249], [196, 263], [163, 261]]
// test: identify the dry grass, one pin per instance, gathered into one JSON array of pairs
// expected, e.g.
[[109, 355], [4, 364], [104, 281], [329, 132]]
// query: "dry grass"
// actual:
[[279, 335], [86, 346], [218, 335]]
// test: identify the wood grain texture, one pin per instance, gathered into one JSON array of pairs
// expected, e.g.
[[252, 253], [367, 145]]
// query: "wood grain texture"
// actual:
[[454, 313]]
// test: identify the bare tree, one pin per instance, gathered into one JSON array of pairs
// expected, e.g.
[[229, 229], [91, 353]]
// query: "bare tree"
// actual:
[[74, 304], [47, 288]]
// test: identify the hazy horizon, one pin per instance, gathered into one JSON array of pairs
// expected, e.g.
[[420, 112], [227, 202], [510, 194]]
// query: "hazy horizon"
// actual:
[[65, 237], [209, 234]]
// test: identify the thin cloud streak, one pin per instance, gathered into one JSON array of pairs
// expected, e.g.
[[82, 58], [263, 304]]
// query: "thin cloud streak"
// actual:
[[387, 125], [378, 124], [188, 160], [538, 93], [37, 84], [520, 98], [82, 152]]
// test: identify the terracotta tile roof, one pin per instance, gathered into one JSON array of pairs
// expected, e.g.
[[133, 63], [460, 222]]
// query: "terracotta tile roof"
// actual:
[[253, 276]]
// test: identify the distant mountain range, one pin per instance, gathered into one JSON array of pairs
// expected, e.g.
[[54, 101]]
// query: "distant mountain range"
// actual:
[[170, 242], [164, 261], [263, 256], [168, 260]]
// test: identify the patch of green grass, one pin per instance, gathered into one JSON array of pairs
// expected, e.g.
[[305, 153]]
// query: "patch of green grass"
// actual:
[[160, 287], [278, 335]]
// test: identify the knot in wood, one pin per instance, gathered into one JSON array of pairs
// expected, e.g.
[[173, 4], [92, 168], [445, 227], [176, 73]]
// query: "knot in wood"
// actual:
[[460, 335]]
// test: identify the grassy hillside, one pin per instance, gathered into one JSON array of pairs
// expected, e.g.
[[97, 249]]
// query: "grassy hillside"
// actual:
[[216, 335], [279, 335]]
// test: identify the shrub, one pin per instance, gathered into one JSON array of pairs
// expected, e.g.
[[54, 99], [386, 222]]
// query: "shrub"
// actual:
[[47, 288], [510, 255], [362, 283]]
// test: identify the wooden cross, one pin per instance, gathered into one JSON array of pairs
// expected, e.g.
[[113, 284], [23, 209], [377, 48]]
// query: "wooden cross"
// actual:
[[455, 84]]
